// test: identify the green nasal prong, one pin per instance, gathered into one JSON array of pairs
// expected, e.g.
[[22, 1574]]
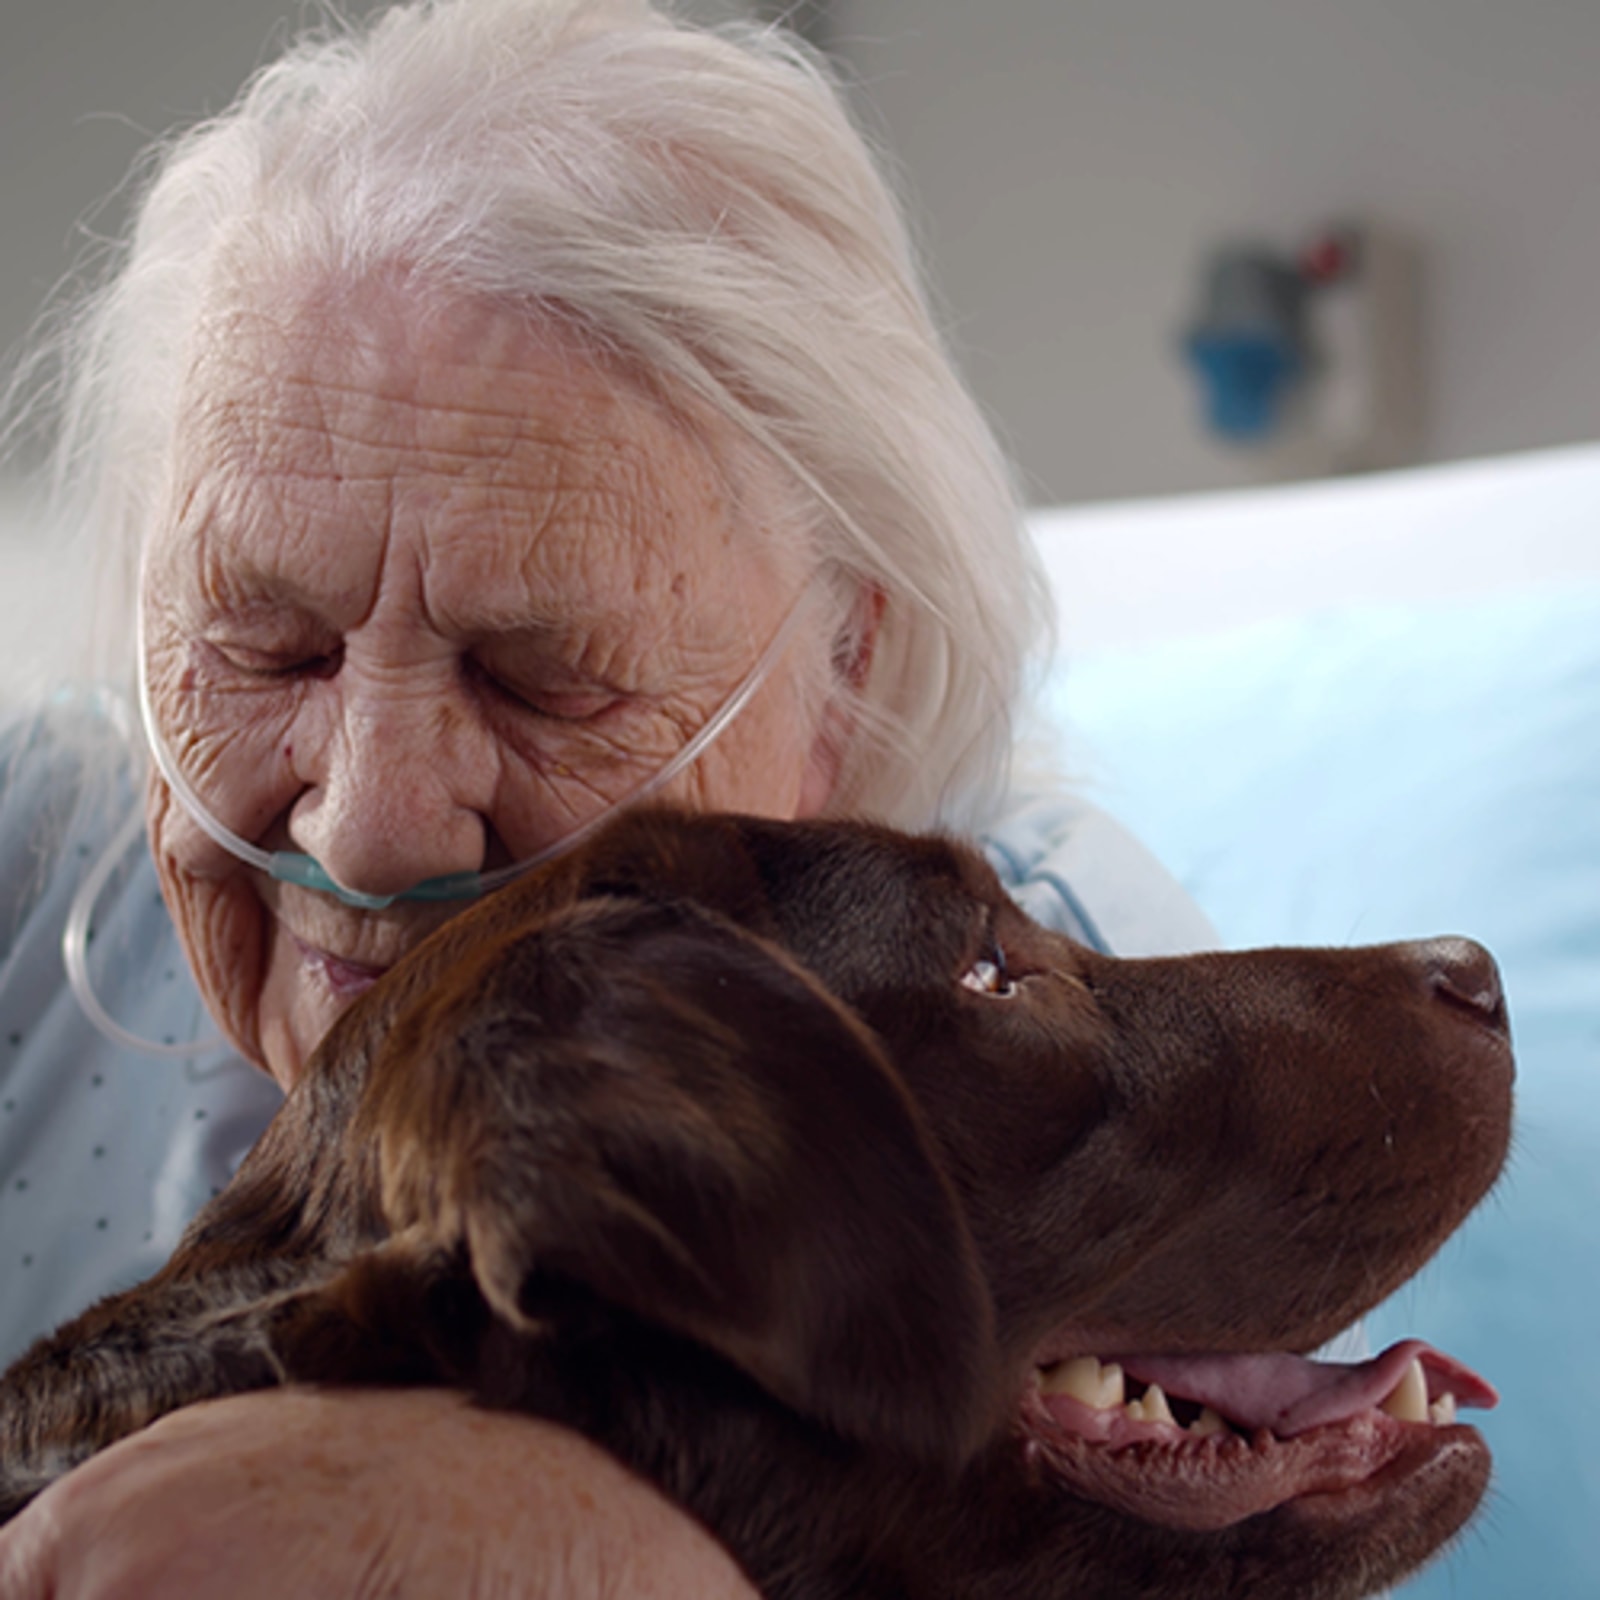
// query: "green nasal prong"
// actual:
[[292, 866], [452, 886]]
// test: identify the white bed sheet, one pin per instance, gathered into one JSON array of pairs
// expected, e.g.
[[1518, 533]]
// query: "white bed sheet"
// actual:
[[1131, 572]]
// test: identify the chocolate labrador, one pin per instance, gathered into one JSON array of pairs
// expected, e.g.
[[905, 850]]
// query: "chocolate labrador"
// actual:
[[914, 1249]]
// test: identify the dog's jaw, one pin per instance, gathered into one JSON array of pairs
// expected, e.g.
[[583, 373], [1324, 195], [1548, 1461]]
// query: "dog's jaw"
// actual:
[[1250, 1434], [1286, 1394]]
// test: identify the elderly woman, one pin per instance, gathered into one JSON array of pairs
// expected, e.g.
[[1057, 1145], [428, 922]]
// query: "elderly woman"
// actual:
[[503, 411]]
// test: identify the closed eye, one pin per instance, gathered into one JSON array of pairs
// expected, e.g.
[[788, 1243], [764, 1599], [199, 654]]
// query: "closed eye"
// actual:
[[280, 664], [988, 976], [577, 703]]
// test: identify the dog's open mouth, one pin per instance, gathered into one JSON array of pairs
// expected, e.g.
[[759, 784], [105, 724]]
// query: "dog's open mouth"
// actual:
[[1205, 1441]]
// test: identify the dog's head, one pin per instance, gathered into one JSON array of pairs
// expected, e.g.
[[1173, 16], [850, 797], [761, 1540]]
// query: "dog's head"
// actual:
[[820, 1100]]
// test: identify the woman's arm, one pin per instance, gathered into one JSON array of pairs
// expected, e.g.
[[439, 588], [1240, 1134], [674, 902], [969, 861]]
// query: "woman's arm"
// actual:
[[408, 1495]]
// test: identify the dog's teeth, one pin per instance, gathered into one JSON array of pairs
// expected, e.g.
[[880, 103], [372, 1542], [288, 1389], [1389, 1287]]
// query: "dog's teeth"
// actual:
[[1409, 1402], [1443, 1411], [1207, 1424], [1085, 1379], [1152, 1407], [1111, 1386]]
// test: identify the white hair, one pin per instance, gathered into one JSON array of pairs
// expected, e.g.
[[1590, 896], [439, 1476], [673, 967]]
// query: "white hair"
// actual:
[[698, 203]]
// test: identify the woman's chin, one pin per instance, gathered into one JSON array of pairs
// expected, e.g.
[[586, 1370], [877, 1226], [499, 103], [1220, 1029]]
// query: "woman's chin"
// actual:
[[306, 991]]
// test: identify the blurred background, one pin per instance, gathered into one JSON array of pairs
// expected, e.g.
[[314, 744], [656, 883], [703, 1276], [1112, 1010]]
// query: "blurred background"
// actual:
[[1072, 164], [1208, 264]]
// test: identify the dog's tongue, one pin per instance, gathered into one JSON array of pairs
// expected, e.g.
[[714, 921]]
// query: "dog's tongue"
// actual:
[[1291, 1394]]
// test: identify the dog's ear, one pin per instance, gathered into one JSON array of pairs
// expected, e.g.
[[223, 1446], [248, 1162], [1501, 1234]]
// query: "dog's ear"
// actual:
[[654, 1103]]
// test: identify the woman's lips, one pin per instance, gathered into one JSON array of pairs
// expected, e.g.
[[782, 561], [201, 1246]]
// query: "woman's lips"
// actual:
[[347, 979]]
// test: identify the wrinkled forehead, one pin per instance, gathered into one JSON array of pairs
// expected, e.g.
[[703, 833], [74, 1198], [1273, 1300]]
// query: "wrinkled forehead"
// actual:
[[267, 365], [311, 384]]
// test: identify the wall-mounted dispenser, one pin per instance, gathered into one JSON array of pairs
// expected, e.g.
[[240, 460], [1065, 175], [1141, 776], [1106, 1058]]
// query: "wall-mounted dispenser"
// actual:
[[1248, 345], [1310, 361]]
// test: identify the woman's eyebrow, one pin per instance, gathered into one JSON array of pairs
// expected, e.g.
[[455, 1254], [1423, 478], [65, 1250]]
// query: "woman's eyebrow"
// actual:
[[241, 587], [237, 577], [537, 618]]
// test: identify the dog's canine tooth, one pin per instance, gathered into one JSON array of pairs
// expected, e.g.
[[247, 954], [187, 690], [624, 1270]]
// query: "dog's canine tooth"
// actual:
[[1207, 1424], [1409, 1402], [1085, 1379], [1443, 1411], [1152, 1407]]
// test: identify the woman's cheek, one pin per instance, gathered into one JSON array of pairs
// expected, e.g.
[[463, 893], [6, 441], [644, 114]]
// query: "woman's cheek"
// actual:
[[220, 919], [231, 738], [763, 762]]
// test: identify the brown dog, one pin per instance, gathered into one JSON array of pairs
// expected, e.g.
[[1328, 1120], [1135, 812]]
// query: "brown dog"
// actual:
[[798, 1168]]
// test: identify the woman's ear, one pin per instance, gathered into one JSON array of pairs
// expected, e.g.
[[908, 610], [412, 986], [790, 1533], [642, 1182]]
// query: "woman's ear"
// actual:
[[858, 639], [850, 664]]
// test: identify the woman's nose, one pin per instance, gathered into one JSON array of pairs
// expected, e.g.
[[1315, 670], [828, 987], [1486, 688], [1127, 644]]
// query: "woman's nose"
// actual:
[[403, 794]]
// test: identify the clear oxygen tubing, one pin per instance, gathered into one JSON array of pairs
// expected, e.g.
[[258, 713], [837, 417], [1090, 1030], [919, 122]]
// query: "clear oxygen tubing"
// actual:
[[292, 866], [75, 952], [306, 872]]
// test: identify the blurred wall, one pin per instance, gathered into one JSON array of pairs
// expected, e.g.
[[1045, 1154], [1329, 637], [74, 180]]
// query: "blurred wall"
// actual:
[[1069, 160], [85, 85], [1072, 159]]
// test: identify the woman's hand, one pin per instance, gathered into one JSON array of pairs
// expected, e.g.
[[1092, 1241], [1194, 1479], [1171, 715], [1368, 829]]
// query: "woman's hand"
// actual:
[[348, 1494]]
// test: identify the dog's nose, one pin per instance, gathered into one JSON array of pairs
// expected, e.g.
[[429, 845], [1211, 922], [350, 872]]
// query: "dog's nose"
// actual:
[[1462, 973]]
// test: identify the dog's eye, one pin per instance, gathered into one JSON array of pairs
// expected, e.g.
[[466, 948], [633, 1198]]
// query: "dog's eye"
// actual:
[[988, 975]]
